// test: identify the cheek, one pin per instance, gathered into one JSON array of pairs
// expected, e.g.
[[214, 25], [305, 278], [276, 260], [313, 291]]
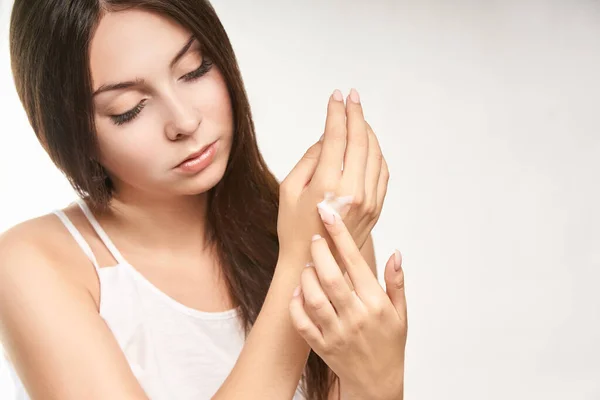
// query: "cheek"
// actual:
[[212, 98], [129, 152]]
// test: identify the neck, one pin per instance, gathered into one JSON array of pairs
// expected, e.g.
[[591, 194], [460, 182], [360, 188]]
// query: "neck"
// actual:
[[159, 223]]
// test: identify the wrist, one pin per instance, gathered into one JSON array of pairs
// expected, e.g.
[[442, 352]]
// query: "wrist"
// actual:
[[392, 391], [292, 259]]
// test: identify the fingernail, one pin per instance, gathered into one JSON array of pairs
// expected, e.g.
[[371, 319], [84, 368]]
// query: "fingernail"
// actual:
[[354, 96], [397, 260], [326, 215], [337, 95], [316, 237], [297, 291], [322, 137], [309, 264]]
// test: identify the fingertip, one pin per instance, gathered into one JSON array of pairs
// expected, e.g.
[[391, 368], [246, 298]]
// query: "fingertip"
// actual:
[[337, 95], [393, 268], [354, 97], [397, 260], [327, 215], [297, 291]]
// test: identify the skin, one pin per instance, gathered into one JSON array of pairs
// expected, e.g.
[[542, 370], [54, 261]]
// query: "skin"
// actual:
[[155, 207], [343, 323]]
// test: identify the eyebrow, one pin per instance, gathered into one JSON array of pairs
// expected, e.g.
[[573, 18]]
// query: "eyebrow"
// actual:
[[139, 81]]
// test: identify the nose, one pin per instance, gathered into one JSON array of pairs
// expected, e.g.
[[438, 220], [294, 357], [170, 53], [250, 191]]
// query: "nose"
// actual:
[[184, 119]]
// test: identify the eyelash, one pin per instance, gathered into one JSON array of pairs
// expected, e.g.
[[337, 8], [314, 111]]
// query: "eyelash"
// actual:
[[134, 112]]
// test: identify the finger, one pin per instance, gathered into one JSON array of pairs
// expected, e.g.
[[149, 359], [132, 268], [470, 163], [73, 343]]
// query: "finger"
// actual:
[[303, 171], [382, 184], [357, 146], [331, 278], [373, 170], [316, 302], [329, 169], [302, 322], [394, 282], [363, 280]]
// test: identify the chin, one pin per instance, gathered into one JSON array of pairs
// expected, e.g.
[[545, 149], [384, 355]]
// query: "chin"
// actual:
[[204, 180]]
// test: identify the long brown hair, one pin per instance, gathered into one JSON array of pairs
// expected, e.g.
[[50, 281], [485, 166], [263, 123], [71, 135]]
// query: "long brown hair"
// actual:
[[49, 47]]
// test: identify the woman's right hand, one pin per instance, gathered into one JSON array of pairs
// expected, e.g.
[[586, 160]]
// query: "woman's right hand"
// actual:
[[348, 139]]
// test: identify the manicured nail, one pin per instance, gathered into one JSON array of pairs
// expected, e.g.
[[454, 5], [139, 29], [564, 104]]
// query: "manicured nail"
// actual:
[[354, 96], [397, 260], [316, 237], [297, 291], [337, 95], [322, 137], [309, 264], [326, 215]]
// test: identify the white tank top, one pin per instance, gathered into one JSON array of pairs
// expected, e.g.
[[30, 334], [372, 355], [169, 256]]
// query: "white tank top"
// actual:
[[176, 352]]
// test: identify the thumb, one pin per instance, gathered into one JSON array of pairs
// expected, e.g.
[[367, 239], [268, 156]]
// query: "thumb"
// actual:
[[394, 283], [304, 170]]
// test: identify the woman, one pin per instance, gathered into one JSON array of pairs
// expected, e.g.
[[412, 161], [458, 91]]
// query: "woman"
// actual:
[[141, 104]]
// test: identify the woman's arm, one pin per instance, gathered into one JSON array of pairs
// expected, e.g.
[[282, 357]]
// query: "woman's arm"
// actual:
[[50, 326], [271, 363]]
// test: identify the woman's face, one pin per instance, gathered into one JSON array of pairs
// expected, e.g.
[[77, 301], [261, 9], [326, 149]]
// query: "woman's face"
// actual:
[[170, 103]]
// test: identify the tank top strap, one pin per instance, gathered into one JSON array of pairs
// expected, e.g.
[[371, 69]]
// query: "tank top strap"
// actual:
[[100, 232], [87, 250]]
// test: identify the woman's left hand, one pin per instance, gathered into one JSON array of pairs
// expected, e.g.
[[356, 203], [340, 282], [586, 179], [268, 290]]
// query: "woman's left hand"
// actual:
[[360, 333]]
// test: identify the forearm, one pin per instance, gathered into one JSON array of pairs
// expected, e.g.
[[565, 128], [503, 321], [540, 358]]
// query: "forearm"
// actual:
[[271, 362]]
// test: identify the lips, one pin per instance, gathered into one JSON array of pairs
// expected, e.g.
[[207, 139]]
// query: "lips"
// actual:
[[198, 160], [195, 154]]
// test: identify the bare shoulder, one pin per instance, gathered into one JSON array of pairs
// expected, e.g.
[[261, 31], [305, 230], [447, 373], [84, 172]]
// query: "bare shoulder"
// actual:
[[38, 247], [31, 240], [29, 252]]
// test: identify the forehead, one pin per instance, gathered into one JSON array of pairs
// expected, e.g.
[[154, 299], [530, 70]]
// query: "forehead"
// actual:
[[128, 44]]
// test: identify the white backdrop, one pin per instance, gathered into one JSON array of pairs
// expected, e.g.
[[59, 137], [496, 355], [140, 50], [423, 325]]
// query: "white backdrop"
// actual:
[[487, 112]]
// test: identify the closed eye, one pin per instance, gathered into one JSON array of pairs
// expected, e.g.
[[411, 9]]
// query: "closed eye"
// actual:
[[202, 70], [128, 116]]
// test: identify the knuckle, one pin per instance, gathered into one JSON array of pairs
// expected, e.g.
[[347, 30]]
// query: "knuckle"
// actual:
[[370, 208], [303, 327], [398, 284], [313, 151], [377, 307], [358, 324], [378, 155], [334, 345], [332, 282], [359, 198], [316, 303]]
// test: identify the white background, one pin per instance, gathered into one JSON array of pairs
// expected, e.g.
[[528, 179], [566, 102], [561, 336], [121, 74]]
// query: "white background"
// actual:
[[487, 112]]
